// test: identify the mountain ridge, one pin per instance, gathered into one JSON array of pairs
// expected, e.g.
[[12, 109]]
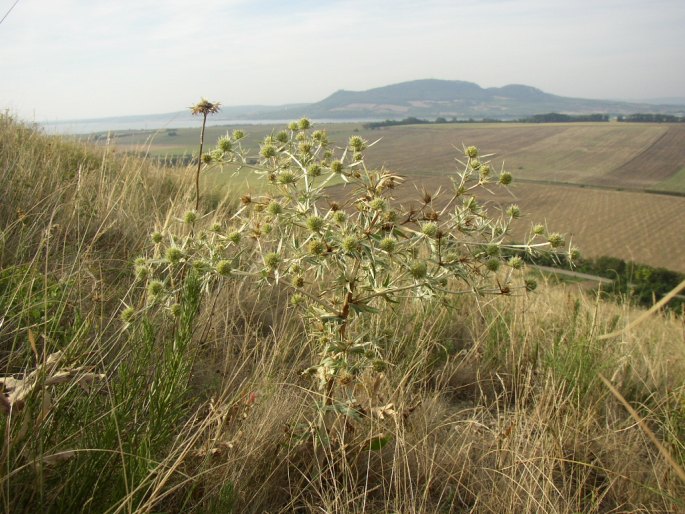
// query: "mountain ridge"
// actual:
[[428, 99]]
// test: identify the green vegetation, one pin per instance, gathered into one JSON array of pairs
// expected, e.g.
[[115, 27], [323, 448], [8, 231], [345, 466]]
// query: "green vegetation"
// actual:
[[551, 117], [651, 118], [633, 282], [159, 358]]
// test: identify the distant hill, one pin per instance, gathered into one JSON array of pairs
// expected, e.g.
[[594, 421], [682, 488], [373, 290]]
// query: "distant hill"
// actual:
[[431, 98], [428, 99]]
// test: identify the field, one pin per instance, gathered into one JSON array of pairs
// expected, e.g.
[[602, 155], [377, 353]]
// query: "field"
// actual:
[[594, 181]]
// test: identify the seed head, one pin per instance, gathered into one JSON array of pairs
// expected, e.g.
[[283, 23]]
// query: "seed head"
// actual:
[[190, 217], [538, 229], [378, 204], [315, 223], [268, 151], [390, 216], [357, 144], [298, 281], [287, 177], [205, 107], [293, 125], [267, 229], [574, 254], [316, 247], [175, 310], [555, 240], [296, 299], [492, 250], [272, 260], [128, 315], [225, 144], [246, 199], [388, 244], [155, 288], [216, 228], [238, 134], [350, 244], [274, 208], [418, 270], [475, 164], [207, 158], [224, 267], [485, 170], [156, 237], [339, 217], [336, 167], [142, 272], [516, 262], [282, 136], [305, 148], [505, 178], [513, 211], [174, 254], [471, 152], [303, 124], [492, 264], [531, 284], [314, 170], [430, 229], [234, 237]]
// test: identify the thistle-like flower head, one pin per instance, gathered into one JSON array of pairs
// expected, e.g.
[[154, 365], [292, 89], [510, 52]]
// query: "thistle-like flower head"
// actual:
[[205, 107]]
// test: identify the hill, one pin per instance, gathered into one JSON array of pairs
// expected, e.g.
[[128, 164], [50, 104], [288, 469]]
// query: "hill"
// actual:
[[431, 98], [132, 384], [428, 98]]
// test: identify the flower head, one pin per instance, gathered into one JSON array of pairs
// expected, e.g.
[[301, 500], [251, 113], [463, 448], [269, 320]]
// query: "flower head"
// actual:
[[205, 107]]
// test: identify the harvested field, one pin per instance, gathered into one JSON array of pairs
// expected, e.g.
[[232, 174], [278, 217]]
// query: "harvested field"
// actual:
[[658, 162], [640, 227], [618, 218]]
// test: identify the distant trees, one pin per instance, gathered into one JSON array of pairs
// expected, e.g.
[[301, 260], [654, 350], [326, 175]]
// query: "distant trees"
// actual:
[[550, 117], [651, 118], [641, 283], [555, 117]]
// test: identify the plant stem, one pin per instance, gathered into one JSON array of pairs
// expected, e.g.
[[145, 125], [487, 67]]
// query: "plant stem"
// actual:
[[199, 163]]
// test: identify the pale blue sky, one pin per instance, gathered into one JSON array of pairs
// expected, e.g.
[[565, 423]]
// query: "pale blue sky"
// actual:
[[66, 59]]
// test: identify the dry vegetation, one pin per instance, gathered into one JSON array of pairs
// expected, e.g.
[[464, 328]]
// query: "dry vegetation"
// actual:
[[490, 405]]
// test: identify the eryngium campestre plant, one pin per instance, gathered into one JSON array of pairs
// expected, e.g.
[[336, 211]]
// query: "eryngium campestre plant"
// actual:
[[342, 263]]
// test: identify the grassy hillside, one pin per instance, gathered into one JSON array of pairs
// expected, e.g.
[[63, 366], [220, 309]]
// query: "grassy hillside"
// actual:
[[486, 404], [612, 166]]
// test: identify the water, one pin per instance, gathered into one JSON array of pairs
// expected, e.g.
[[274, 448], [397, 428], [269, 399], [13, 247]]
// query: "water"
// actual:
[[101, 125]]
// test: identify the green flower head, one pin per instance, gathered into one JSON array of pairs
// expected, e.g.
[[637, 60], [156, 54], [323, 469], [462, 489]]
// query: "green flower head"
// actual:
[[272, 260], [315, 223], [418, 269], [350, 244], [173, 254], [224, 267], [388, 244]]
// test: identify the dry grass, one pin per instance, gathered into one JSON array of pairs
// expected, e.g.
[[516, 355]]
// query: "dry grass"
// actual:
[[489, 405]]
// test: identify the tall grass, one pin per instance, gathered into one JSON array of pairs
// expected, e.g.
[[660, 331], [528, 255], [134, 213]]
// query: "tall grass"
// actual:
[[485, 407]]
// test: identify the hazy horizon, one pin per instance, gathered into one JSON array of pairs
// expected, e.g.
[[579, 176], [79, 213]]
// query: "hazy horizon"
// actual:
[[74, 59]]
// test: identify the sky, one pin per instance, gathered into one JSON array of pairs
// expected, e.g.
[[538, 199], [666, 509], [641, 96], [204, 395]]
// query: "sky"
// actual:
[[75, 59]]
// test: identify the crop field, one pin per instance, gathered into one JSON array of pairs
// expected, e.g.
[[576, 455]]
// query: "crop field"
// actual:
[[633, 226], [590, 180]]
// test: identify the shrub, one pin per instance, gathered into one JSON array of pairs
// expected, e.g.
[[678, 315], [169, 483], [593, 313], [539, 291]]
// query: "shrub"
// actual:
[[339, 267]]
